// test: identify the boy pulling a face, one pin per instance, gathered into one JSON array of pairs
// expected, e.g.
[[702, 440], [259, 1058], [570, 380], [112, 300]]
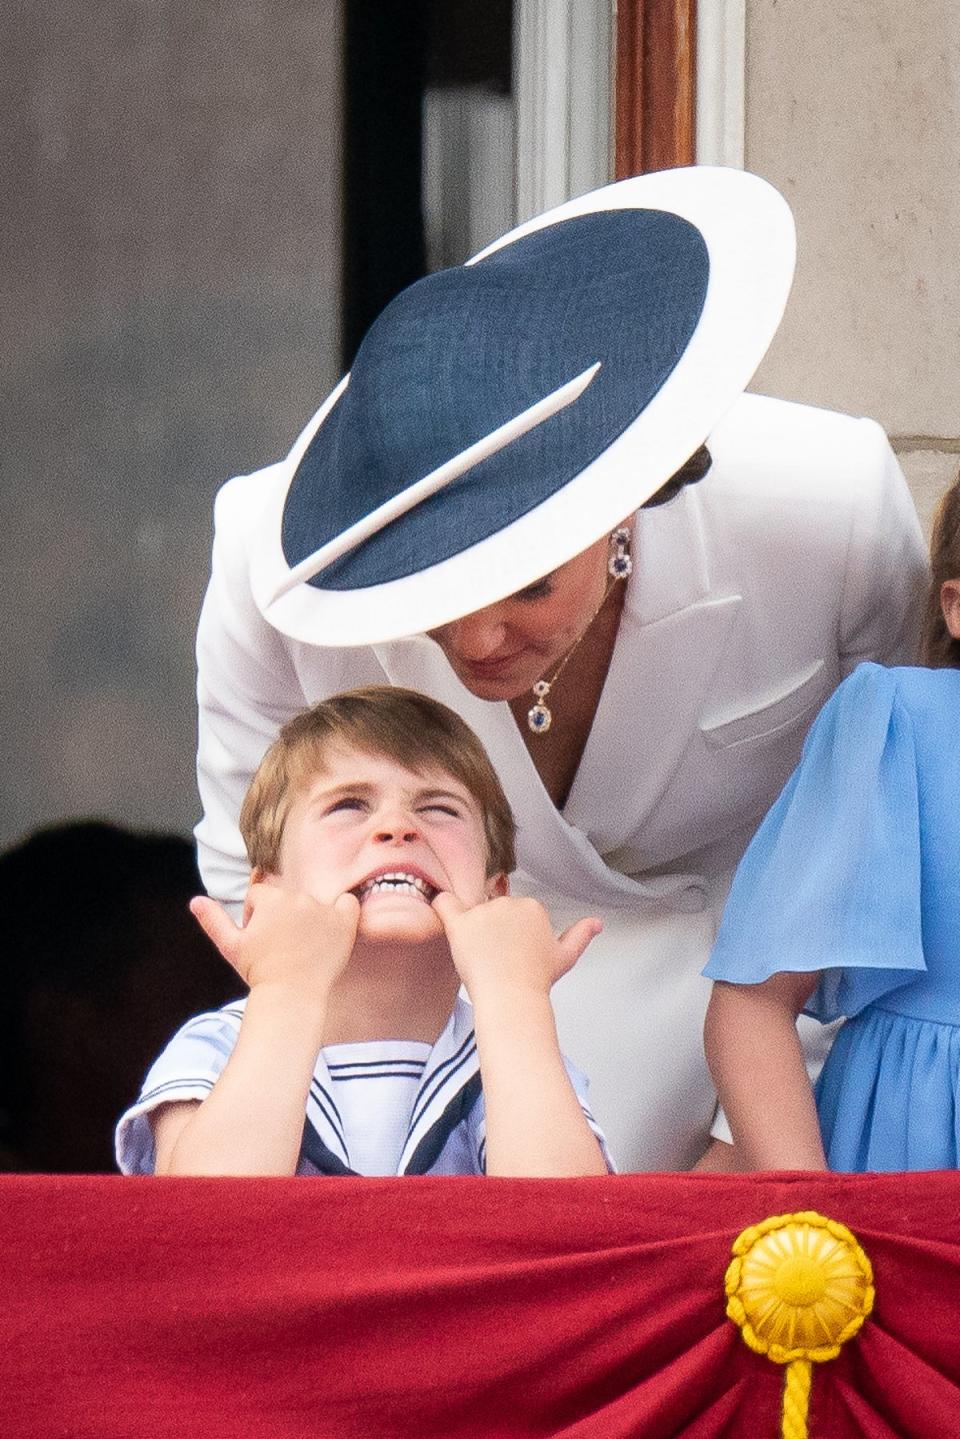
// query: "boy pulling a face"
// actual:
[[381, 841]]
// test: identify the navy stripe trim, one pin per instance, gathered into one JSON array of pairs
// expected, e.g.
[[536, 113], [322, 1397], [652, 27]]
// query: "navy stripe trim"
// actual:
[[380, 1074], [326, 1104], [313, 1149], [180, 1083], [375, 1063], [441, 1074], [428, 1151]]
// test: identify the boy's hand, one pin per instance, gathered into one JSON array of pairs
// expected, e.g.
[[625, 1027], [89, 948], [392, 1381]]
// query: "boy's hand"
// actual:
[[509, 941], [286, 938]]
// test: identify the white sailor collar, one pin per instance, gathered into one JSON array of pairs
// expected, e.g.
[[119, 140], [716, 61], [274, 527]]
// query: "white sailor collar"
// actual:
[[448, 1090]]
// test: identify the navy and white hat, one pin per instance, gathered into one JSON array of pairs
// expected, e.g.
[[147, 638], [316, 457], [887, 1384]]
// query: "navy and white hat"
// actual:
[[503, 415]]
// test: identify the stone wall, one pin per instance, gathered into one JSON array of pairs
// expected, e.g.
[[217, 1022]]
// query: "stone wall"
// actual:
[[170, 282], [853, 111]]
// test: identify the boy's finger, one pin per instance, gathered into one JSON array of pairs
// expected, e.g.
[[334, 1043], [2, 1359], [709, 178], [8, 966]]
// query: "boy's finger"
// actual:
[[448, 906], [348, 906], [574, 940], [216, 925]]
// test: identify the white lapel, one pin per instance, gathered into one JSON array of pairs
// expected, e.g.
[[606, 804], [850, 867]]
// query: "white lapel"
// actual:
[[673, 635]]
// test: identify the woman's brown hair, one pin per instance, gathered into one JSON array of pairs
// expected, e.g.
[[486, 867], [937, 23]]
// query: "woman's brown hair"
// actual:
[[938, 648]]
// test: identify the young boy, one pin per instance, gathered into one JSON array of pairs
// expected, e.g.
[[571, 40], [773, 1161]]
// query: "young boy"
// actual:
[[380, 841]]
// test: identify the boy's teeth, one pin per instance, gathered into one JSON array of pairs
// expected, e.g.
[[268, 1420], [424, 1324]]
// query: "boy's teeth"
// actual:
[[397, 881]]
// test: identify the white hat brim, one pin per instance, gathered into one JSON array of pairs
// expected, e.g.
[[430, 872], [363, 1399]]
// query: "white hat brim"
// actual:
[[748, 230]]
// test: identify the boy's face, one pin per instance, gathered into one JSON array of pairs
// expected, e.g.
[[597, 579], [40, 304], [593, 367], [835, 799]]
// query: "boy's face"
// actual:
[[393, 837]]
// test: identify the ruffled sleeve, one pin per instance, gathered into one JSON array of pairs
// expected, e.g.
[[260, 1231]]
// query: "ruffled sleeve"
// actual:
[[831, 880]]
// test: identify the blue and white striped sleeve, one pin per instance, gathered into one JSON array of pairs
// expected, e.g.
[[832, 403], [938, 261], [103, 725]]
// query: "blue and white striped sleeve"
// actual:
[[187, 1069], [581, 1084]]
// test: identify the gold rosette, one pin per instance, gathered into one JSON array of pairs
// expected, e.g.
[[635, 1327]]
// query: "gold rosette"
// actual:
[[798, 1287]]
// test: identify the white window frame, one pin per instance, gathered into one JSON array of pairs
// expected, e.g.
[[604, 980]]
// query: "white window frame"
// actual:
[[563, 65], [563, 53], [721, 82]]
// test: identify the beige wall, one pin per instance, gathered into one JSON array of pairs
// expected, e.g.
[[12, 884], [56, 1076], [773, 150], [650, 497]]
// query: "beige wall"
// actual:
[[853, 111], [171, 273]]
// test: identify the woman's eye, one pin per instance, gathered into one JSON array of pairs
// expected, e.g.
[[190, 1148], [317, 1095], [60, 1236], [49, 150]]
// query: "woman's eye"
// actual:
[[539, 591], [442, 809]]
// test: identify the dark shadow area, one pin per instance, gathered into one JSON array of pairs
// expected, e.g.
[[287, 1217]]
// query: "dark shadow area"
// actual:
[[393, 51], [101, 962]]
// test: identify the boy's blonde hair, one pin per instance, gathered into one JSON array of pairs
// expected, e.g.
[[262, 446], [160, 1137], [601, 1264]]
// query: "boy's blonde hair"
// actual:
[[415, 731]]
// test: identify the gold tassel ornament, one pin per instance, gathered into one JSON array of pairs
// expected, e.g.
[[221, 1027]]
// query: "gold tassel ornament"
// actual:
[[798, 1287]]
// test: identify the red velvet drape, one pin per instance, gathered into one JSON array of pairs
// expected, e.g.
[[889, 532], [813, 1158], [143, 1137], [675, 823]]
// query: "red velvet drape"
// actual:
[[421, 1308]]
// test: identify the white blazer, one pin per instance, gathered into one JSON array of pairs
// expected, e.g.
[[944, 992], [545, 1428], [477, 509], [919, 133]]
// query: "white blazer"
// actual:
[[753, 593]]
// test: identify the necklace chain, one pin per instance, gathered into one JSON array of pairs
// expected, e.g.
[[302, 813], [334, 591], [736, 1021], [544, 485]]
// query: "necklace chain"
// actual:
[[619, 566], [573, 648]]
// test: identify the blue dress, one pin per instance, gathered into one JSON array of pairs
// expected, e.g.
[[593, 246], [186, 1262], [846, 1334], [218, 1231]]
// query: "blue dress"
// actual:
[[856, 872]]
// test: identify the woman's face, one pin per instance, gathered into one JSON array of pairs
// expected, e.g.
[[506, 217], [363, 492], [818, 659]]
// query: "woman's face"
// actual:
[[500, 652]]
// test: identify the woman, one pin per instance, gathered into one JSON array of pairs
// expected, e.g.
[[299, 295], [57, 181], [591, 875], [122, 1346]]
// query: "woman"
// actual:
[[494, 508]]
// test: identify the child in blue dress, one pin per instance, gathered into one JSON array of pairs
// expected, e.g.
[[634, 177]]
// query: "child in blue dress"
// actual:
[[847, 903]]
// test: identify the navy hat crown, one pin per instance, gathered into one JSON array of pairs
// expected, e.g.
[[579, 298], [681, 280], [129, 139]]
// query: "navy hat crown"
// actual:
[[503, 416], [465, 350]]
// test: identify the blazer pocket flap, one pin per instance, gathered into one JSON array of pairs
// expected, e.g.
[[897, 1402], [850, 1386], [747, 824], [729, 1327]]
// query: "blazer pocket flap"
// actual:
[[770, 718]]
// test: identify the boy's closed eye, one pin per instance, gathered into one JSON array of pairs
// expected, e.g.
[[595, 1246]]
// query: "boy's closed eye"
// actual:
[[346, 803]]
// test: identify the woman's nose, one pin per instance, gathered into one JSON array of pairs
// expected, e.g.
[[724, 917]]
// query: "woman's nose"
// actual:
[[475, 637]]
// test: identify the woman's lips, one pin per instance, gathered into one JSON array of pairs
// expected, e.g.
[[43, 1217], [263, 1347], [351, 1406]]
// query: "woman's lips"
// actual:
[[494, 669]]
